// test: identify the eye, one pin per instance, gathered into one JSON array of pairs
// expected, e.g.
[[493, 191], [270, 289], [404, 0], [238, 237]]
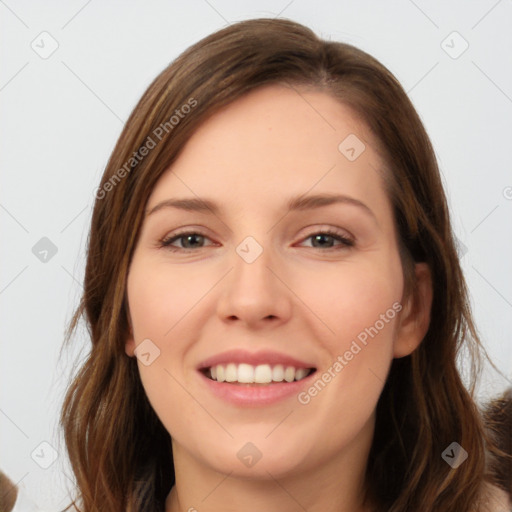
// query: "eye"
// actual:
[[326, 238], [190, 240], [194, 240]]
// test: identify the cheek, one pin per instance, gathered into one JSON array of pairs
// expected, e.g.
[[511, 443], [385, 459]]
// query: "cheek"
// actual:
[[359, 307], [354, 299], [160, 298], [159, 301], [362, 305]]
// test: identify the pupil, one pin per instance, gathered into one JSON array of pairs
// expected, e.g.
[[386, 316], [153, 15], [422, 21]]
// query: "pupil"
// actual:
[[322, 237], [188, 238]]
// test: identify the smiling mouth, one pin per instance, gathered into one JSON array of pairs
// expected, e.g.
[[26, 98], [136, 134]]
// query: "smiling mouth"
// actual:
[[263, 374]]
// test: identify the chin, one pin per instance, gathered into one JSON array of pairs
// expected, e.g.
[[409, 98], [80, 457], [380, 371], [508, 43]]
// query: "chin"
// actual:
[[256, 457], [269, 466]]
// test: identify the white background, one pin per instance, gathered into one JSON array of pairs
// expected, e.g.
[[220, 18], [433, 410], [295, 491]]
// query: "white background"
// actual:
[[60, 118]]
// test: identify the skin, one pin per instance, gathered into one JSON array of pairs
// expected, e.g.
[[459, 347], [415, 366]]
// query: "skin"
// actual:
[[309, 300]]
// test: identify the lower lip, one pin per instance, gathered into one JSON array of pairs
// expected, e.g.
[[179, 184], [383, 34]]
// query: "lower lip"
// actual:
[[254, 395]]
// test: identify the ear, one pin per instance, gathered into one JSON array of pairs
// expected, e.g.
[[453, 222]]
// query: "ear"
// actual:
[[414, 318]]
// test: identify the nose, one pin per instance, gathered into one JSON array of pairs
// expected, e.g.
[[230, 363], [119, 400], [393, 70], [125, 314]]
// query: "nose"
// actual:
[[254, 293]]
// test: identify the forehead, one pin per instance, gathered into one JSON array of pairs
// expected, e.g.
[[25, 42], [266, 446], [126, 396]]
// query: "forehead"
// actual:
[[283, 119], [276, 142]]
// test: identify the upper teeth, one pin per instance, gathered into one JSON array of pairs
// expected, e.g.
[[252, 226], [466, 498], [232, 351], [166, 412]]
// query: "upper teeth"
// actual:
[[261, 374]]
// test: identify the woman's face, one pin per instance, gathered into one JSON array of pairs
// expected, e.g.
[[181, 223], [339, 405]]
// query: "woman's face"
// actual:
[[265, 291]]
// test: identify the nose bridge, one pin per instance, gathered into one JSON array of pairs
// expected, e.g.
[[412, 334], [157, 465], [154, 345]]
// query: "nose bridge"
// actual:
[[252, 291], [252, 277]]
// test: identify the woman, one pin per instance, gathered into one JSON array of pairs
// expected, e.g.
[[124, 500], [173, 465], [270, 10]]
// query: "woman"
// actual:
[[302, 356]]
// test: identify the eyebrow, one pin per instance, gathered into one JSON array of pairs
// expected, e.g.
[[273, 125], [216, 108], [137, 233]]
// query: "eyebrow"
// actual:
[[299, 203]]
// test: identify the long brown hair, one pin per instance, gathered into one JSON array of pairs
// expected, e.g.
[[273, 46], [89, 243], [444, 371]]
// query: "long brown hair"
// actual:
[[119, 450]]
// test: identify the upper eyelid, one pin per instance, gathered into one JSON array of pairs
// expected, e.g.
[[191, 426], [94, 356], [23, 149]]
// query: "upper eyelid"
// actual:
[[201, 231]]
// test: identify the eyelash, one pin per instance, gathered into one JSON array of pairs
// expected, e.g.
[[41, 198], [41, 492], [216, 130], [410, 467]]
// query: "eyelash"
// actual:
[[346, 242]]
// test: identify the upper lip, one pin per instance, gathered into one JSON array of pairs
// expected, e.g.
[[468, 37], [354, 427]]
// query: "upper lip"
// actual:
[[238, 356]]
